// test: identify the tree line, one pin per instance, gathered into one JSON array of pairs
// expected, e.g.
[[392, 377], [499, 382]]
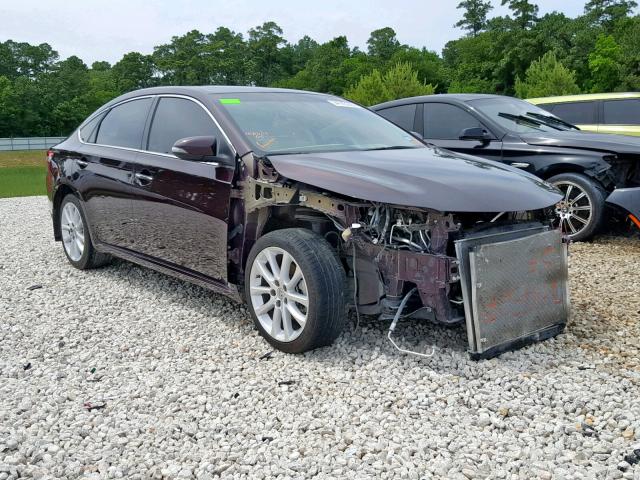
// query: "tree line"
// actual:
[[521, 54]]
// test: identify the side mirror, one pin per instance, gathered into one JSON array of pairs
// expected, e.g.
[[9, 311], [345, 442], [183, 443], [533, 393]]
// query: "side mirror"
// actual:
[[475, 133], [196, 148]]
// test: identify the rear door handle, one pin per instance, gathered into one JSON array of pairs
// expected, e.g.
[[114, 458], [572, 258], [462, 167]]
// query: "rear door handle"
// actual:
[[143, 179]]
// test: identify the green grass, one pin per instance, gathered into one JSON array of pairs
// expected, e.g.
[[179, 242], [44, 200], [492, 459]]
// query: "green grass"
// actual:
[[22, 173]]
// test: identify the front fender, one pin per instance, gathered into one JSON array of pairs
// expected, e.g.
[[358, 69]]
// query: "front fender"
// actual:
[[627, 199]]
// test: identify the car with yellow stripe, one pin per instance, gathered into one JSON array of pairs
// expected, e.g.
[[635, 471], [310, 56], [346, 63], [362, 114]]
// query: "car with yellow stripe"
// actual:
[[617, 113]]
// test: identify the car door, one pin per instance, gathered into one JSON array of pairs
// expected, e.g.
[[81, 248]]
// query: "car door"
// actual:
[[444, 123], [181, 207], [110, 144], [621, 117]]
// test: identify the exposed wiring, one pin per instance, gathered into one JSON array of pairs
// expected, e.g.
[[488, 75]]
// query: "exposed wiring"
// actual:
[[395, 322]]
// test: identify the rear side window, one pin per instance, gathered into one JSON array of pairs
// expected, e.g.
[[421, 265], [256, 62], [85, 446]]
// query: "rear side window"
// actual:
[[89, 130], [177, 118], [622, 112], [446, 122], [124, 124], [574, 112], [403, 115]]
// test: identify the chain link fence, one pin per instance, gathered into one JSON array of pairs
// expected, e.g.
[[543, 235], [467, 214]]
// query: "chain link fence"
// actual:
[[29, 143]]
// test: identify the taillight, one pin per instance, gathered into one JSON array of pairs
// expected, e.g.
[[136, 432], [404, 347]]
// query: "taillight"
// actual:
[[51, 166]]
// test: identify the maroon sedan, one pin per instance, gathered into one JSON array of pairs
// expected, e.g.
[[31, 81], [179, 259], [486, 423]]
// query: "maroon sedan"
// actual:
[[306, 204]]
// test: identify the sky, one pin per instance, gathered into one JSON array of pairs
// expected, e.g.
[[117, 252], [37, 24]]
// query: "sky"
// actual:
[[107, 29]]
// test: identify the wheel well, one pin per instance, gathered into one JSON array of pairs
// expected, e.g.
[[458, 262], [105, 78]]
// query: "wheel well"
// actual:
[[298, 217], [279, 217], [562, 168], [61, 192]]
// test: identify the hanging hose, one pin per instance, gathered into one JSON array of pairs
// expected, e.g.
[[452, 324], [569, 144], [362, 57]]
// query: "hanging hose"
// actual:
[[396, 317]]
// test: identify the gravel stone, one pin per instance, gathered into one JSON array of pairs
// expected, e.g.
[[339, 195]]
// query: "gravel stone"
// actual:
[[187, 395]]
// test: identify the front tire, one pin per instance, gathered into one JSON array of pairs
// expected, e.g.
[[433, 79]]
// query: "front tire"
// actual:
[[581, 212], [76, 240], [294, 286]]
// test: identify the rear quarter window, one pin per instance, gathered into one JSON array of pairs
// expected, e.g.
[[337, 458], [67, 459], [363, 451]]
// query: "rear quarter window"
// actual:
[[89, 130], [402, 115], [574, 112], [622, 112]]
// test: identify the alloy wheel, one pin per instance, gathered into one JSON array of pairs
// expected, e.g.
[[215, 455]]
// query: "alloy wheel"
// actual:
[[72, 231], [279, 295], [574, 211]]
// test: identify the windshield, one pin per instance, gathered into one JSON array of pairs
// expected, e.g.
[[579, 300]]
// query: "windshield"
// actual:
[[519, 116], [283, 123]]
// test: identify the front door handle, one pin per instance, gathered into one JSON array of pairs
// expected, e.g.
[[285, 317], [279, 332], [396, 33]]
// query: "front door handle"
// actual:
[[143, 179], [82, 163]]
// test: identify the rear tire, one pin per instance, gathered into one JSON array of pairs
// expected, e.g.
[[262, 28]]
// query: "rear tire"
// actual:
[[299, 307], [581, 212], [76, 240]]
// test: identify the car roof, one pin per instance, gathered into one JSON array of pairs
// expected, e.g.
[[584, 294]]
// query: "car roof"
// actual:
[[583, 98], [218, 89], [448, 97], [200, 92]]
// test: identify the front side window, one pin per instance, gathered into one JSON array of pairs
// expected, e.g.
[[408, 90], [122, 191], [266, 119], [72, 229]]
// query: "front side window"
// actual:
[[124, 124], [446, 122], [576, 112], [402, 115], [622, 112], [282, 123], [177, 118]]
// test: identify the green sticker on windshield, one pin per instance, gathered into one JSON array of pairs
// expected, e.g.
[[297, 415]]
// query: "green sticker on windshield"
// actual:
[[229, 101]]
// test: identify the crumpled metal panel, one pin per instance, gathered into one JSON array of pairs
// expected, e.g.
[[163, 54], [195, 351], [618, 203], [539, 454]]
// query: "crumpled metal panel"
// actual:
[[518, 288]]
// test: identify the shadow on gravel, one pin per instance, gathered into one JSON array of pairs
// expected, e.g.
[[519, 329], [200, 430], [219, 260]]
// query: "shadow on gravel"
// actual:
[[417, 335]]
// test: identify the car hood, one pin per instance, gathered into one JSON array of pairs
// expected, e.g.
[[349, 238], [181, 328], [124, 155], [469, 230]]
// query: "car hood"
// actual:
[[583, 140], [421, 177]]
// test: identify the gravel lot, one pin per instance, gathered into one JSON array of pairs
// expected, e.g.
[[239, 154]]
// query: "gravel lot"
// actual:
[[186, 393]]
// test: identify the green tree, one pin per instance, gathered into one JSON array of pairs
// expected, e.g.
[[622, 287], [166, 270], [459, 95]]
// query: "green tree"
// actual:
[[265, 49], [133, 71], [184, 60], [226, 53], [525, 13], [474, 19], [630, 55], [607, 13], [427, 64], [604, 63], [326, 70], [399, 81], [546, 77], [382, 44]]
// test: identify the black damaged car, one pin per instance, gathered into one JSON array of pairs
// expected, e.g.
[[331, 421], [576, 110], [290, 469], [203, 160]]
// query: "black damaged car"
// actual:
[[599, 174]]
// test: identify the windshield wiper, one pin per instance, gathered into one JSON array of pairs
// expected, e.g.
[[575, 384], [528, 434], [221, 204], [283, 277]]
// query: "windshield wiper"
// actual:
[[525, 119], [548, 120], [394, 147]]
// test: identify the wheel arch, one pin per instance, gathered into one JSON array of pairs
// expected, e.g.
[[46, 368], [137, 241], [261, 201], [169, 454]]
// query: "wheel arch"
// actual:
[[558, 168], [61, 192]]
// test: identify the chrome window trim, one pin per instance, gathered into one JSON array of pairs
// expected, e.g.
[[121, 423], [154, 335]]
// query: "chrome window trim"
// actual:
[[159, 95]]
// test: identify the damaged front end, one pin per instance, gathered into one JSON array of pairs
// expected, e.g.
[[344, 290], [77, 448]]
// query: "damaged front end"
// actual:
[[504, 275], [507, 281]]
